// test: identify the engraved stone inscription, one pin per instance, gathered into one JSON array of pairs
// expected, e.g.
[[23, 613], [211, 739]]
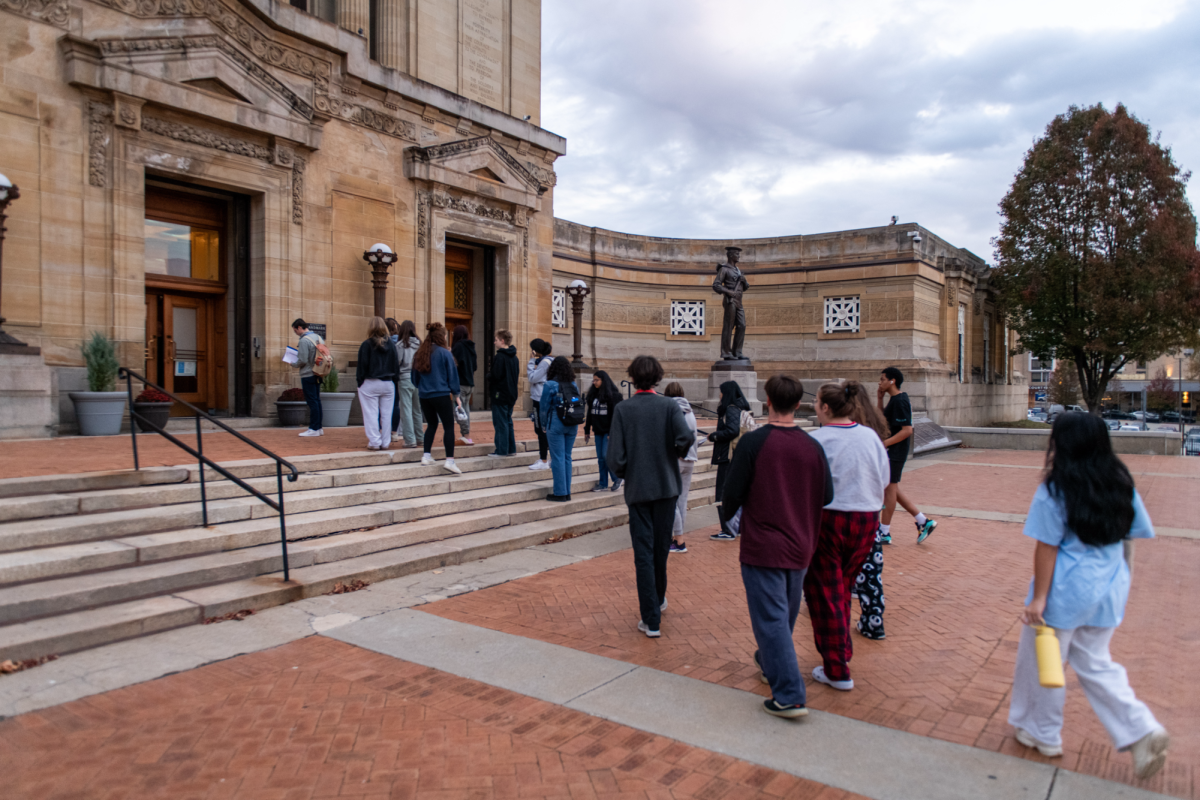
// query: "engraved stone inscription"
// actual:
[[482, 48]]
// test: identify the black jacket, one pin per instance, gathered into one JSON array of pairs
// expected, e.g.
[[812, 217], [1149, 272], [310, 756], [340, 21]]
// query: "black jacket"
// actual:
[[599, 413], [504, 375], [464, 359], [728, 428], [374, 362]]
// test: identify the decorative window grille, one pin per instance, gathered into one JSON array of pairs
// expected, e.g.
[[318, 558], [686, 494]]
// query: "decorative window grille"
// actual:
[[687, 317], [558, 309], [462, 290], [842, 314]]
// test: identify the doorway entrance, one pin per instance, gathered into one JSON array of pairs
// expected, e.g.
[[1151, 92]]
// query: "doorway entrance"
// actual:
[[471, 302]]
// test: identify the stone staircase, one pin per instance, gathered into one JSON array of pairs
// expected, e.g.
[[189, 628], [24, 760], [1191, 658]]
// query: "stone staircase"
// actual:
[[95, 558]]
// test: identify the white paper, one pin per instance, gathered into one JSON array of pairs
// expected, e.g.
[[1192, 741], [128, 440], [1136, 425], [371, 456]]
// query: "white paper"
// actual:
[[291, 355]]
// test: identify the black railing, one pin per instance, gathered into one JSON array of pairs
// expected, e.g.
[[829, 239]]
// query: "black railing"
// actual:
[[198, 454]]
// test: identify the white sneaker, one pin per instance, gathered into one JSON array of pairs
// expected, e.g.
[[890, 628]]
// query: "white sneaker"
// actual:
[[663, 607], [396, 436], [652, 634], [1048, 750], [818, 674], [539, 464], [311, 432], [1150, 753], [427, 460], [450, 465]]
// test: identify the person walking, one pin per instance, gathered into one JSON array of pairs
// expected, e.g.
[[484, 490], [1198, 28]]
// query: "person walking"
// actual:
[[436, 378], [306, 357], [503, 382], [647, 439], [687, 466], [851, 435], [898, 415], [780, 479], [408, 400], [535, 373], [559, 390], [377, 371], [601, 403], [1085, 517], [729, 427], [463, 350]]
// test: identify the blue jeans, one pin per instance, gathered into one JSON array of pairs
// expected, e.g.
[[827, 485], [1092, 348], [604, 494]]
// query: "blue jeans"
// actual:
[[312, 395], [502, 424], [601, 452], [773, 596], [560, 439]]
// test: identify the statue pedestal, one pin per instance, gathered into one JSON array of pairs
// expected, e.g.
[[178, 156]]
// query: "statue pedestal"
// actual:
[[741, 371], [26, 393]]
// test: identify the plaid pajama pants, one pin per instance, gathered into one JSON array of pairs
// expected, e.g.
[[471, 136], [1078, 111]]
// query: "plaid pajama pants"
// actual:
[[844, 544]]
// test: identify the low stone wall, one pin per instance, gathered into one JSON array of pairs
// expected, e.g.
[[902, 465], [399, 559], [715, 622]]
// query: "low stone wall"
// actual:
[[1151, 443]]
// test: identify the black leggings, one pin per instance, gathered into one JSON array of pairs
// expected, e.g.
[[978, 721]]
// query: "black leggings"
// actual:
[[543, 442], [434, 409]]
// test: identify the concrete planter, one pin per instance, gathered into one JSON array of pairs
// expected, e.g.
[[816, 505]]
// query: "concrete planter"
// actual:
[[155, 415], [292, 413], [335, 408], [99, 413]]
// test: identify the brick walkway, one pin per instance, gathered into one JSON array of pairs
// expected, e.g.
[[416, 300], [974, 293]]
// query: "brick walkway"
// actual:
[[320, 718], [946, 667]]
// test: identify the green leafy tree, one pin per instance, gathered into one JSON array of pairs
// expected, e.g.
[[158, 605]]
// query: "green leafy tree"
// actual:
[[1096, 257], [1160, 392]]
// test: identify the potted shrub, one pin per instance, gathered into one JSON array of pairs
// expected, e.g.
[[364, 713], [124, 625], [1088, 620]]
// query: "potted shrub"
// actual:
[[293, 411], [153, 409], [101, 409], [335, 405]]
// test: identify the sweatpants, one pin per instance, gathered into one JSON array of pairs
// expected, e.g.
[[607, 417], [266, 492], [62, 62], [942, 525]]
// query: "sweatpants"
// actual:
[[844, 544], [1039, 711], [464, 425], [773, 596], [650, 532], [376, 398], [869, 588], [435, 409]]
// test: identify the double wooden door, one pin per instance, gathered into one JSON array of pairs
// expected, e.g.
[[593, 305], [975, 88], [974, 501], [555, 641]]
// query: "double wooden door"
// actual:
[[181, 346]]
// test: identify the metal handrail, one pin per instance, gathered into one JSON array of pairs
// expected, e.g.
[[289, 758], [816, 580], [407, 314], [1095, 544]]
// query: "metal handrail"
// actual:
[[203, 460]]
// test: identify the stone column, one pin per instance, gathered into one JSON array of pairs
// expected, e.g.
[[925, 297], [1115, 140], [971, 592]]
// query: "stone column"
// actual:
[[392, 34], [355, 16]]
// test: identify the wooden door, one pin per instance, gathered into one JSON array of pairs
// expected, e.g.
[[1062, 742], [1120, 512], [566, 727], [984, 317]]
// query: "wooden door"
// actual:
[[188, 362], [459, 288]]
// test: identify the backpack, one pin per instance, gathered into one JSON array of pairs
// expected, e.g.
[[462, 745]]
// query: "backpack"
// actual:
[[323, 363], [572, 411], [747, 424]]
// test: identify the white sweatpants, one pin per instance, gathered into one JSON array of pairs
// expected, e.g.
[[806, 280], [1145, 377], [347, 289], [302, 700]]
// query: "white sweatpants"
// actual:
[[685, 479], [376, 398], [1039, 711]]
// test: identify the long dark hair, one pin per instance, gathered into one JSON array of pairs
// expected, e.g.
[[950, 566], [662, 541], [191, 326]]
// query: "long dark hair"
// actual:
[[1084, 473], [408, 332], [850, 401], [423, 360], [607, 391], [731, 394], [461, 334], [560, 370]]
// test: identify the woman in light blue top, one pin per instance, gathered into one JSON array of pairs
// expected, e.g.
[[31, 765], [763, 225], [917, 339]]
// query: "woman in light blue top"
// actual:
[[1084, 517]]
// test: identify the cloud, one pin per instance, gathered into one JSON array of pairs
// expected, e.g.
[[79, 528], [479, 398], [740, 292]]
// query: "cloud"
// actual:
[[707, 119]]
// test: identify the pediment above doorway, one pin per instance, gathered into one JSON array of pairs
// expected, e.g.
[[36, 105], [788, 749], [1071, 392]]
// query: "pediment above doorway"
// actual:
[[478, 166]]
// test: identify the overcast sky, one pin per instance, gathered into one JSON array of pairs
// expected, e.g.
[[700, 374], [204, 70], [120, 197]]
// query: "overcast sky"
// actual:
[[712, 119]]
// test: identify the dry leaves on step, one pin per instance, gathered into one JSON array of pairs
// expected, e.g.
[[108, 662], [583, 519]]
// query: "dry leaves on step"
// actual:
[[352, 586], [234, 615], [9, 666], [562, 538]]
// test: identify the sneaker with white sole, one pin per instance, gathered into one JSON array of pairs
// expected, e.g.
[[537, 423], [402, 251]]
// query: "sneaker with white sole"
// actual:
[[663, 607], [427, 460], [538, 465], [644, 629], [923, 531], [1048, 750], [819, 676], [677, 547], [450, 465], [396, 437], [787, 712], [762, 676], [1150, 753], [311, 432], [724, 536]]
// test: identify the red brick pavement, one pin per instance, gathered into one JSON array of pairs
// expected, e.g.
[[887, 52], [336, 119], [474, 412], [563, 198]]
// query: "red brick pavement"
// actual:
[[945, 669], [320, 718]]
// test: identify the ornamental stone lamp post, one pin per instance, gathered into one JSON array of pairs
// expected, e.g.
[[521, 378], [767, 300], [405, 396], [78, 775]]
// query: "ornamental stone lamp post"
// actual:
[[578, 291], [8, 193], [380, 257]]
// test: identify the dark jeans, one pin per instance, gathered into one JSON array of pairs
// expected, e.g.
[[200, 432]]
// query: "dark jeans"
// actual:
[[601, 452], [502, 425], [396, 407], [543, 442], [650, 530], [312, 396], [773, 596], [434, 409]]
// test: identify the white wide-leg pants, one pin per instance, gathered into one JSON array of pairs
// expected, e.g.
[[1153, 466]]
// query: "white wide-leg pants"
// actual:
[[1039, 711], [376, 398]]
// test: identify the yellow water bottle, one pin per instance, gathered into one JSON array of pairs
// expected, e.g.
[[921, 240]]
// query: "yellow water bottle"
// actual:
[[1049, 658]]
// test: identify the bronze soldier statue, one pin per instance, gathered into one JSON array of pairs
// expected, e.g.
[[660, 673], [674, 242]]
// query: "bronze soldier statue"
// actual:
[[730, 284]]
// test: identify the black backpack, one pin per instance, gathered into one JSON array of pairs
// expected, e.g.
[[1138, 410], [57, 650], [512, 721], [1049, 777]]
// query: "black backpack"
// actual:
[[573, 411]]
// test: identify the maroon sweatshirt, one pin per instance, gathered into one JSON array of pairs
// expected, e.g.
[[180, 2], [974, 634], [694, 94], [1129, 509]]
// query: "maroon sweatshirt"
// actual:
[[780, 479]]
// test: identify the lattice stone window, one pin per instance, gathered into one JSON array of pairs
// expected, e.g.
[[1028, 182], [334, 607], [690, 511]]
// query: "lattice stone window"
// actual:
[[558, 309], [687, 317], [842, 314]]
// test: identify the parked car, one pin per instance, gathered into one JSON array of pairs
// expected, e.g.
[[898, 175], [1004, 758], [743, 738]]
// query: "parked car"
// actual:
[[1129, 426], [1191, 445], [1076, 408], [1113, 424]]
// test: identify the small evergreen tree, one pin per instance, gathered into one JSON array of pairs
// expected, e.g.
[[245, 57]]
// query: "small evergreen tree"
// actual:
[[101, 359]]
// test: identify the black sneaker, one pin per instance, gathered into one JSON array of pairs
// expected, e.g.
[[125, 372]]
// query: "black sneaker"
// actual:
[[723, 536], [677, 547], [617, 484], [787, 712], [599, 488]]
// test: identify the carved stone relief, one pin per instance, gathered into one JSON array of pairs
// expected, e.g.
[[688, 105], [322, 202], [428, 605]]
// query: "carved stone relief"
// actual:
[[352, 112], [469, 206], [217, 141], [950, 296], [298, 165], [99, 134], [546, 177], [422, 218], [128, 112], [52, 12]]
